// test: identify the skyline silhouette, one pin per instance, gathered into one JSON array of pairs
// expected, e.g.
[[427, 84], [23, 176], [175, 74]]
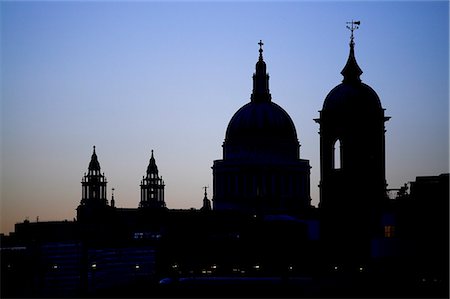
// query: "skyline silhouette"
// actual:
[[260, 234], [130, 78]]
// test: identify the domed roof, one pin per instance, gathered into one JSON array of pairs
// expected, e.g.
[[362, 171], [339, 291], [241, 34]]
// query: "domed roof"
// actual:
[[261, 121], [347, 98], [352, 97], [261, 129]]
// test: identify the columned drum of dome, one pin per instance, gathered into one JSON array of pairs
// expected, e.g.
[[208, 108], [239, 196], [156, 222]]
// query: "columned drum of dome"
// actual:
[[261, 168]]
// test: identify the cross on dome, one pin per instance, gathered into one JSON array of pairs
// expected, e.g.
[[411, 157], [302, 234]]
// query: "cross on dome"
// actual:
[[260, 49]]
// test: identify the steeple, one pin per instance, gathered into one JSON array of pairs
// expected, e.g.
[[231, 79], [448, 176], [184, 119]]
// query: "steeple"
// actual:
[[113, 202], [351, 70], [152, 168], [261, 91], [94, 165], [152, 187], [94, 184], [206, 202]]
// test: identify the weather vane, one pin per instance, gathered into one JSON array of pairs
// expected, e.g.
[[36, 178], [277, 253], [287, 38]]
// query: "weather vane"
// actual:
[[353, 26]]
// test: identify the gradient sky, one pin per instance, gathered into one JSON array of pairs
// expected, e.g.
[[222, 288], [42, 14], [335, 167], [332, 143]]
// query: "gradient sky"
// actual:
[[129, 77]]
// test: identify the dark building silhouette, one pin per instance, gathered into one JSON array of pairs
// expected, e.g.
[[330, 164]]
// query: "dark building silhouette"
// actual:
[[352, 162], [261, 169], [261, 238], [152, 187]]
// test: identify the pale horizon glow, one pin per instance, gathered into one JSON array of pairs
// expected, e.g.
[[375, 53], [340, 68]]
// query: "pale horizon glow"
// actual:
[[129, 77]]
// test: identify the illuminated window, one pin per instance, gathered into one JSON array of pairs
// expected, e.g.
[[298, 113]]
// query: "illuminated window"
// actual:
[[389, 231]]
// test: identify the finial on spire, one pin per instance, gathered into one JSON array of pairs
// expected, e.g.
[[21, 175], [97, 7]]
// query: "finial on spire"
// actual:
[[351, 70], [206, 202], [260, 49], [113, 202], [260, 80], [353, 26], [152, 153]]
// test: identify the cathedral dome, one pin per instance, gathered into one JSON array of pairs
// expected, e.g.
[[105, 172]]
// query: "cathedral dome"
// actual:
[[261, 129], [261, 122]]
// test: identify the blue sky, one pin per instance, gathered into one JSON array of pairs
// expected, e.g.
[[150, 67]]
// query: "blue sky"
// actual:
[[130, 77]]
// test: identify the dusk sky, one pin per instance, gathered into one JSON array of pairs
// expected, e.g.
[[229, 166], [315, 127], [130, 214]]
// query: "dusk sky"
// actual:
[[129, 77]]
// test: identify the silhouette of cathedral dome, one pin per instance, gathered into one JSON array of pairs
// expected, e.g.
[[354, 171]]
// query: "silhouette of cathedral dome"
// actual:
[[261, 169], [260, 121], [261, 128]]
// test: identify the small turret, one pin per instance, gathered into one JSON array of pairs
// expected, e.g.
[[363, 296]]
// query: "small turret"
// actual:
[[113, 202], [152, 187], [206, 202]]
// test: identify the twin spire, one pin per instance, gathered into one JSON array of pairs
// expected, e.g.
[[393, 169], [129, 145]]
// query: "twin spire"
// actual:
[[261, 92]]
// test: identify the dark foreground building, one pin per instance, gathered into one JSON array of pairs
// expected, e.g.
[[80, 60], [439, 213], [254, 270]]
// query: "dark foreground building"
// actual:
[[260, 237]]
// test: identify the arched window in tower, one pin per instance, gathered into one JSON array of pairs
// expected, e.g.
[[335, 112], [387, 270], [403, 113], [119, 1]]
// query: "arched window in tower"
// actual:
[[337, 155]]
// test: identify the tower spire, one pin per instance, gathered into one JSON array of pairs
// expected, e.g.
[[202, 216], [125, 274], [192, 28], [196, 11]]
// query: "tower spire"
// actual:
[[206, 202], [351, 70], [152, 168], [94, 165], [93, 189], [113, 202], [261, 91], [152, 187]]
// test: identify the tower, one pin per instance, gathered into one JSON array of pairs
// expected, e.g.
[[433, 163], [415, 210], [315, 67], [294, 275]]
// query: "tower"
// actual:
[[152, 187], [206, 202], [93, 191], [261, 170], [352, 156]]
